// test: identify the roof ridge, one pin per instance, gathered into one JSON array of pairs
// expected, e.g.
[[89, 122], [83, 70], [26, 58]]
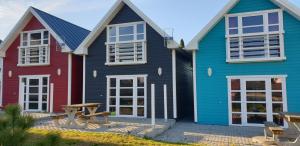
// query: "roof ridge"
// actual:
[[59, 18]]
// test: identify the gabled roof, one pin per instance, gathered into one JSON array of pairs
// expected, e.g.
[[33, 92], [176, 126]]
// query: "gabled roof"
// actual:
[[64, 32], [284, 4], [82, 49]]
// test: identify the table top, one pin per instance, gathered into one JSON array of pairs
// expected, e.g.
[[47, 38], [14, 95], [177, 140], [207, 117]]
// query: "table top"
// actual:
[[82, 105], [291, 116]]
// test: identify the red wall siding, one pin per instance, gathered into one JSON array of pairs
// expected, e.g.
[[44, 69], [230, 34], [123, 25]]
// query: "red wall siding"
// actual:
[[76, 79], [57, 60]]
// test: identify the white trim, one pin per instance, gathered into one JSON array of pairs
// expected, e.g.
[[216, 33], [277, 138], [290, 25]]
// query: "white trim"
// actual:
[[83, 79], [153, 105], [165, 103], [1, 81], [265, 34], [14, 33], [51, 97], [40, 101], [174, 83], [82, 48], [284, 4], [135, 106], [195, 87], [69, 78], [269, 111]]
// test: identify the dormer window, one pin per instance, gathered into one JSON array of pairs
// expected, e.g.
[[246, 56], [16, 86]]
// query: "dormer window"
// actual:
[[255, 36], [34, 48], [126, 44]]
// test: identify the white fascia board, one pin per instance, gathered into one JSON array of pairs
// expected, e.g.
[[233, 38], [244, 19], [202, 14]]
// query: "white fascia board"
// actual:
[[82, 49], [193, 44], [284, 4], [15, 32]]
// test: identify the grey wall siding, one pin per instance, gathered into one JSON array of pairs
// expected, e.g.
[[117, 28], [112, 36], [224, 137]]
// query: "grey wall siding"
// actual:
[[157, 56], [184, 76]]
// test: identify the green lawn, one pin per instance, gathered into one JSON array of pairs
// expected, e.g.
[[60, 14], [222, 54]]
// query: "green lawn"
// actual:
[[73, 138]]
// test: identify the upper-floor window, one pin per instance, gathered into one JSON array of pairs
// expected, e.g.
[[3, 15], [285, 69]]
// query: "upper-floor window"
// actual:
[[255, 36], [126, 44], [34, 48]]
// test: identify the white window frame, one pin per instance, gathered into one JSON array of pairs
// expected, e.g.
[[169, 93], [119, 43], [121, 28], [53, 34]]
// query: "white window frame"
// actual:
[[40, 47], [40, 102], [135, 106], [135, 41], [269, 101], [266, 33]]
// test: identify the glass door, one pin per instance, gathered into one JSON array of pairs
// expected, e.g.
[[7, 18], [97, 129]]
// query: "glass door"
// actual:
[[256, 101], [126, 96], [35, 93]]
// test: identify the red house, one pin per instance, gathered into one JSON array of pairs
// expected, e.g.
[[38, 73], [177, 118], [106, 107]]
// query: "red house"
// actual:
[[40, 71]]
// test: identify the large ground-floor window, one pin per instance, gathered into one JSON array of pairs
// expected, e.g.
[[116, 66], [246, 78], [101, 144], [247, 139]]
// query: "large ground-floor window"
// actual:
[[256, 99], [127, 95], [34, 92]]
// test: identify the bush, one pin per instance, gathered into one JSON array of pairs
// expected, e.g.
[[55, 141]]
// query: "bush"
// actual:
[[13, 126]]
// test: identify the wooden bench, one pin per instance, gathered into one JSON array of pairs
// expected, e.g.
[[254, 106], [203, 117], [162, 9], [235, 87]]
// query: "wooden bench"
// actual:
[[274, 129], [57, 117], [90, 117]]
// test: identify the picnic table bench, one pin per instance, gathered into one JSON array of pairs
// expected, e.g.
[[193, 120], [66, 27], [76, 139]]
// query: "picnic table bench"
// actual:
[[289, 136], [90, 117], [73, 112]]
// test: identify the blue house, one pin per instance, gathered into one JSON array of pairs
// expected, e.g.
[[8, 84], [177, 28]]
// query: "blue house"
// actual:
[[247, 64], [124, 55]]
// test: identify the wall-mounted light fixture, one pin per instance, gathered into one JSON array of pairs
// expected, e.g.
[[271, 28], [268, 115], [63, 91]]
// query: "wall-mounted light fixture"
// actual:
[[209, 72], [159, 71], [58, 71], [10, 73], [95, 73]]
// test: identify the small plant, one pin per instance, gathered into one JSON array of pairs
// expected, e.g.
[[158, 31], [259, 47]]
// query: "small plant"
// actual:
[[52, 139], [14, 126]]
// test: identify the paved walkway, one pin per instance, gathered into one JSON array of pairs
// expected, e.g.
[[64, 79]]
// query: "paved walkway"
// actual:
[[134, 126], [211, 134]]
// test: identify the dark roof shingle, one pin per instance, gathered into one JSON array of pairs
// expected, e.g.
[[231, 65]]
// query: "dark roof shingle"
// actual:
[[70, 33]]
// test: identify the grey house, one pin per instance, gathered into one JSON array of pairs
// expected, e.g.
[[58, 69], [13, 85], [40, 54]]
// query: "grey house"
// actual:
[[126, 53]]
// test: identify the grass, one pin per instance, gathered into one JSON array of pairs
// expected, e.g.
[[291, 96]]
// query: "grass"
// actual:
[[75, 138]]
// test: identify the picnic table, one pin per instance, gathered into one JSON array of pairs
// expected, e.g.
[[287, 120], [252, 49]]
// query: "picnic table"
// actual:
[[72, 110]]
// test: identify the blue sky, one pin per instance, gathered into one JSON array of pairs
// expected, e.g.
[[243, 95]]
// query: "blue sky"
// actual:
[[186, 17]]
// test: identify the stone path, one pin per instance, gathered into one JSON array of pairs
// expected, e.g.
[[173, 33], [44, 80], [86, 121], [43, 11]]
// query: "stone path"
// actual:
[[134, 126], [211, 134]]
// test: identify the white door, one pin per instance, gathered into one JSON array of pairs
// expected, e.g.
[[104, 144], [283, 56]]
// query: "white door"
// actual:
[[127, 96], [35, 93], [255, 100]]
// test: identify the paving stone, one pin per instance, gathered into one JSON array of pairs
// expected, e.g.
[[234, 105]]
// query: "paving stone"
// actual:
[[211, 134]]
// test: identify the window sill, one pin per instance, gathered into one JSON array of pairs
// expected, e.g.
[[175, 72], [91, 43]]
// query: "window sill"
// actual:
[[255, 60], [127, 63], [30, 65]]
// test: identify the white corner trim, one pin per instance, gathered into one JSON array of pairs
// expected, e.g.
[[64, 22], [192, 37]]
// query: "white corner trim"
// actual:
[[69, 78], [108, 17], [174, 84], [195, 87], [284, 4]]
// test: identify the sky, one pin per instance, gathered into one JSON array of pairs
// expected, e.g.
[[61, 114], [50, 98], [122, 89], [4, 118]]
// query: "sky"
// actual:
[[185, 18]]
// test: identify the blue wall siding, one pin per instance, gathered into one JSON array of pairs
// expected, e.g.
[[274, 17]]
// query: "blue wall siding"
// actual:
[[212, 91]]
